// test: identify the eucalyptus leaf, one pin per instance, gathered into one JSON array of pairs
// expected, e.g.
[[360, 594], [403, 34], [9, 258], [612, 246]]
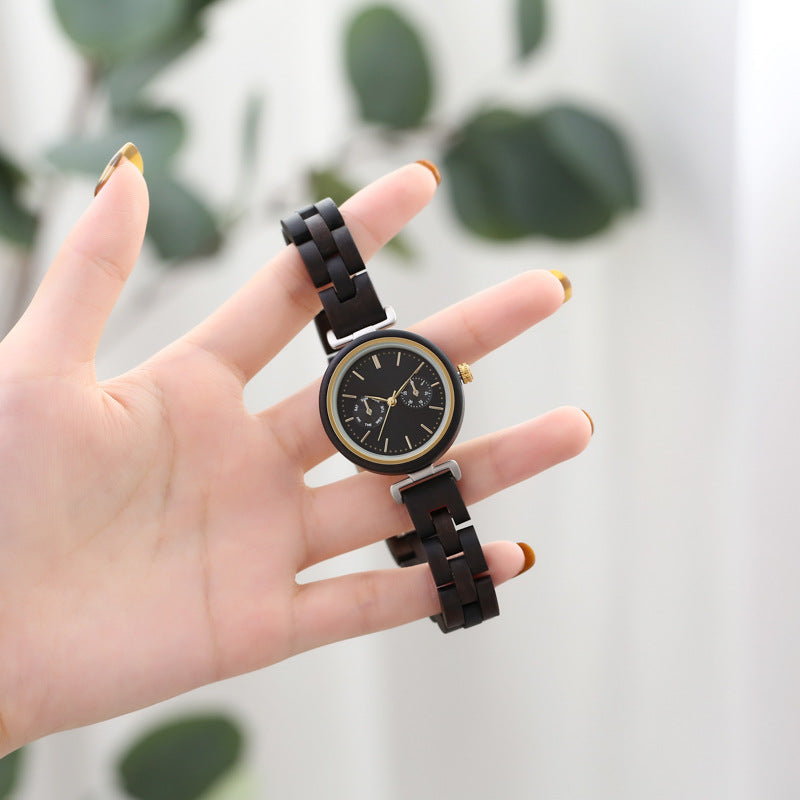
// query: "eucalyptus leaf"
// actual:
[[595, 150], [530, 25], [9, 772], [157, 133], [508, 180], [388, 68], [330, 183], [180, 224], [114, 29], [126, 78], [17, 224], [181, 760]]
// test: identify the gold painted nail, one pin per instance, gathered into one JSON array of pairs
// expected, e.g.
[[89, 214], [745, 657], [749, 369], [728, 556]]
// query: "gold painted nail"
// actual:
[[433, 168], [591, 421], [530, 557], [129, 151], [565, 282]]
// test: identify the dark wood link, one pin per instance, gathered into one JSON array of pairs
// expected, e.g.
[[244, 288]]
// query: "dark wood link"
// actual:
[[454, 555], [349, 300]]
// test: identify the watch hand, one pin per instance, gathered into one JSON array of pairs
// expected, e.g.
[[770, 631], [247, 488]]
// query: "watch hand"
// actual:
[[414, 389], [380, 432], [380, 399], [366, 407], [397, 392]]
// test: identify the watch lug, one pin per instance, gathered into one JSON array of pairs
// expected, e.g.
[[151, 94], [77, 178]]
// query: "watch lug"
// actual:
[[421, 475]]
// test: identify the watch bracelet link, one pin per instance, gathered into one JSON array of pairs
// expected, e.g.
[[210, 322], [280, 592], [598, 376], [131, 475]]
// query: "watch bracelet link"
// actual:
[[350, 304], [336, 269], [443, 538]]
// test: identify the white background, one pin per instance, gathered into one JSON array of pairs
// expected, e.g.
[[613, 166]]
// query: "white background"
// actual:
[[653, 651]]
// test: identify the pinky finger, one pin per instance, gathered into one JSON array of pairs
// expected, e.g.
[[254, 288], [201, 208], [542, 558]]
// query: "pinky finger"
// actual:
[[352, 605]]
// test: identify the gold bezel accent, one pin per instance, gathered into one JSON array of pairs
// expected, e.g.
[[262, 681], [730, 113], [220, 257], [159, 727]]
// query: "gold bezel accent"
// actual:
[[354, 355]]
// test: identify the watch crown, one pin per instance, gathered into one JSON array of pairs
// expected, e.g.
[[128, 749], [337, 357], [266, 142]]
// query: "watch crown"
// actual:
[[465, 372]]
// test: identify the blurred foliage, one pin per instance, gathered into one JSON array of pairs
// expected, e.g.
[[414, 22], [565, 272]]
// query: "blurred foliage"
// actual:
[[181, 760], [9, 772], [189, 758], [17, 223], [562, 172], [530, 25], [388, 68]]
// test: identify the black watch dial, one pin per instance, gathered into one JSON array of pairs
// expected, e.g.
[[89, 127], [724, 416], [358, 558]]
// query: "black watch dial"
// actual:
[[391, 402]]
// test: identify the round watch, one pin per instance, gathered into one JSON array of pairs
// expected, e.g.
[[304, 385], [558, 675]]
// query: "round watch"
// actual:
[[391, 402]]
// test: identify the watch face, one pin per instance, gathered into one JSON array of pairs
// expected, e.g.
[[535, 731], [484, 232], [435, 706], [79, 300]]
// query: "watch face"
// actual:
[[391, 402]]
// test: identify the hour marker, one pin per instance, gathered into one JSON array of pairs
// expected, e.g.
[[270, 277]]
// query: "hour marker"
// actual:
[[352, 396], [385, 444], [434, 384], [398, 359], [349, 419], [361, 377], [436, 408], [375, 361], [365, 435], [408, 442], [426, 428]]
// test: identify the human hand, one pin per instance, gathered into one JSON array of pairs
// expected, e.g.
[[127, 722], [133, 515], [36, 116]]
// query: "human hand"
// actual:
[[152, 529]]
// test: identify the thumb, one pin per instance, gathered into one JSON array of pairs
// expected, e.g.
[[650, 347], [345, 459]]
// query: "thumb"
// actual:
[[69, 311]]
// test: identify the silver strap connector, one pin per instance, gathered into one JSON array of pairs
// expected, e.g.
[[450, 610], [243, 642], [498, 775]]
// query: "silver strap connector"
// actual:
[[422, 475], [391, 317]]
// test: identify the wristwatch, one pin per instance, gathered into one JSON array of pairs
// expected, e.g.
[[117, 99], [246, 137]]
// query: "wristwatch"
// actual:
[[391, 402]]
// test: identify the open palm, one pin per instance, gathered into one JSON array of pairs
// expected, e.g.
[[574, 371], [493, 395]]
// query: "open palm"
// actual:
[[152, 529]]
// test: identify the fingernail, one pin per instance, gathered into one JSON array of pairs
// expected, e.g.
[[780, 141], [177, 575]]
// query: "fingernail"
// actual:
[[591, 421], [129, 151], [530, 557], [433, 168], [565, 282]]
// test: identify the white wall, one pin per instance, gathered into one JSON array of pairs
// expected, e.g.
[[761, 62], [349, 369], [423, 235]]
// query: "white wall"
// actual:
[[652, 651]]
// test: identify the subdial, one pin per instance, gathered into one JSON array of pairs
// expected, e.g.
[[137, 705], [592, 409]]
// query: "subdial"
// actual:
[[368, 413], [417, 394]]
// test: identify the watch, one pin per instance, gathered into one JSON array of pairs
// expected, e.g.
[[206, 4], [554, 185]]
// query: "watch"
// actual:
[[392, 403]]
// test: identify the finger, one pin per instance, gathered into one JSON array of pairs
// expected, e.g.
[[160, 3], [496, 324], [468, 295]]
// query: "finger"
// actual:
[[352, 605], [466, 331], [69, 311], [254, 324], [336, 520]]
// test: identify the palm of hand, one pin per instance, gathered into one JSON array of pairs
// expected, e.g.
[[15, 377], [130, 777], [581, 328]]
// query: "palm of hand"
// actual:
[[153, 528]]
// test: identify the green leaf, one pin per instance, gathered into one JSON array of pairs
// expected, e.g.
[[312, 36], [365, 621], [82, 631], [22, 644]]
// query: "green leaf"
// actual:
[[180, 225], [158, 133], [17, 224], [512, 175], [388, 68], [126, 78], [530, 25], [330, 183], [181, 760], [114, 29], [595, 150], [9, 772]]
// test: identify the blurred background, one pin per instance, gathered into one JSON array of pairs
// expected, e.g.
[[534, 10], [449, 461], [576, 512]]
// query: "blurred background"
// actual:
[[647, 150]]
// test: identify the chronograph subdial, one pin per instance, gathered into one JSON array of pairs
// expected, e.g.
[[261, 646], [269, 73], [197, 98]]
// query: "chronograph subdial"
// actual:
[[418, 393], [367, 413]]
